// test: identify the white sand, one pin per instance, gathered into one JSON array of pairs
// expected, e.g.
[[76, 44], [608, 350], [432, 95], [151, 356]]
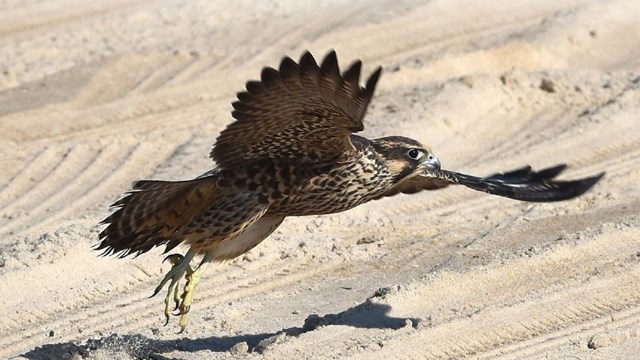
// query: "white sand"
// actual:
[[98, 94]]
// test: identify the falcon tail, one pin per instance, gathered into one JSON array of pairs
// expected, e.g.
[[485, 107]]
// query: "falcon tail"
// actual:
[[149, 215], [525, 184]]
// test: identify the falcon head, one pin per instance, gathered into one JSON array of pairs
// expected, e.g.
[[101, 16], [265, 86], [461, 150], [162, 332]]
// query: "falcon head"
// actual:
[[404, 157]]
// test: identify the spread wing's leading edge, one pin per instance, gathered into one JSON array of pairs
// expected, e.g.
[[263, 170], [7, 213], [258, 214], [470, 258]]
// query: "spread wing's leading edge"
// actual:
[[301, 110], [523, 184]]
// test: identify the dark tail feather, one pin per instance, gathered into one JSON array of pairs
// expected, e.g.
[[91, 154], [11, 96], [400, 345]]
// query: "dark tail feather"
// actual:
[[140, 220], [528, 185]]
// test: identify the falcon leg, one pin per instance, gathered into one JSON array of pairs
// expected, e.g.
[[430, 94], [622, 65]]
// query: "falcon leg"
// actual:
[[179, 269], [193, 277]]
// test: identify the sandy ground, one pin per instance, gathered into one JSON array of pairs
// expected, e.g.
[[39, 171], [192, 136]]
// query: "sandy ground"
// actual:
[[97, 94]]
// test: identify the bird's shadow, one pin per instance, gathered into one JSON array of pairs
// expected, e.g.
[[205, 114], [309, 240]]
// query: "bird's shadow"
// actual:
[[370, 314]]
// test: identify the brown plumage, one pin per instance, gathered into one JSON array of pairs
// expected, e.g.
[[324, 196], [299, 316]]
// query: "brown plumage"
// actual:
[[292, 152]]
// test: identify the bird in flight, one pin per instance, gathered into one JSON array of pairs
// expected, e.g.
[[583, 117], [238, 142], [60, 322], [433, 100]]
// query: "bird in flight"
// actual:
[[291, 151]]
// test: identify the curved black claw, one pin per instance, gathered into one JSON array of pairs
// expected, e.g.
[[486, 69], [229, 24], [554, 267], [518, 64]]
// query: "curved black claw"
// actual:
[[174, 259], [155, 292], [181, 312], [527, 185]]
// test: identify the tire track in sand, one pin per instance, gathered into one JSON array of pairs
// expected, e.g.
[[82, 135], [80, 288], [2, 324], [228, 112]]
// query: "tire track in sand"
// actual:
[[110, 295], [500, 317]]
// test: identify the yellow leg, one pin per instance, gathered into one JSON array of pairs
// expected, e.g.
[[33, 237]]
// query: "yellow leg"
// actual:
[[179, 269], [193, 277]]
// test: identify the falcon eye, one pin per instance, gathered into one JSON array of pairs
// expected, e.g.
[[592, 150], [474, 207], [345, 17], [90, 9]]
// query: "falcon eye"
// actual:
[[414, 154]]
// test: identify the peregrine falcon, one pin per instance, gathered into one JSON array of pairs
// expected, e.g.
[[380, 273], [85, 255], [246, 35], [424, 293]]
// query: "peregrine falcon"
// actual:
[[291, 151]]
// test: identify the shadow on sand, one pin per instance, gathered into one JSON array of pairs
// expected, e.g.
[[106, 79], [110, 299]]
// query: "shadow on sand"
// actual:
[[368, 315]]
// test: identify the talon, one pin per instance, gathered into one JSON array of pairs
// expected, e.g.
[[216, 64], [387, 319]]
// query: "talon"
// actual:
[[180, 267], [155, 292], [181, 300], [174, 259], [181, 312], [192, 277], [176, 297]]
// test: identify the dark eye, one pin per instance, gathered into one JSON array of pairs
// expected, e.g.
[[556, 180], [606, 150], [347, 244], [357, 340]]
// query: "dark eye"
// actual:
[[414, 154]]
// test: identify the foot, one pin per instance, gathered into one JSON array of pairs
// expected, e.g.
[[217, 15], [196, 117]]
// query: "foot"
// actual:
[[181, 301], [193, 277], [179, 269]]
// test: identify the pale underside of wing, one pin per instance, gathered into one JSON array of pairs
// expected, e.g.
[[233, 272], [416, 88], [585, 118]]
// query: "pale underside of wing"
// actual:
[[301, 110], [522, 184]]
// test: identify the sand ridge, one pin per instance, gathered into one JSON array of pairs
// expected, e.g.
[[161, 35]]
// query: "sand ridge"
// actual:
[[96, 95]]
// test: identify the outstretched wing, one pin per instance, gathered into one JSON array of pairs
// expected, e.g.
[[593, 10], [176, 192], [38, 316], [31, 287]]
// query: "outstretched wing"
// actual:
[[299, 111], [521, 184]]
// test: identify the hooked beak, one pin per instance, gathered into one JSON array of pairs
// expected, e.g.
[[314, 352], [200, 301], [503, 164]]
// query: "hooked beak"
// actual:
[[432, 162]]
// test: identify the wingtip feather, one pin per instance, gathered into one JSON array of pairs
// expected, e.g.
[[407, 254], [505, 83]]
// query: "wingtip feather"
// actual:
[[372, 82]]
